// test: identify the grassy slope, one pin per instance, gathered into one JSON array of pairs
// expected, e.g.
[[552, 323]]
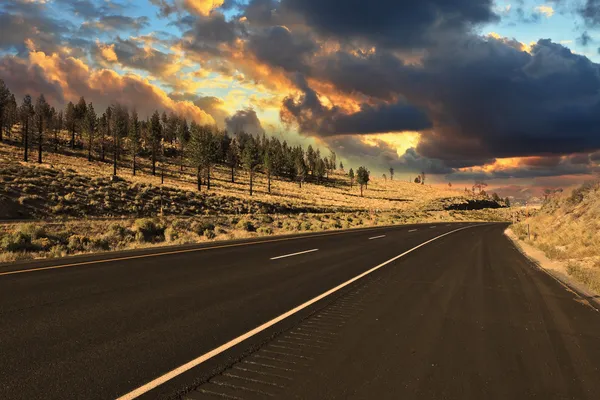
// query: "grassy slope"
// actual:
[[567, 229], [75, 197]]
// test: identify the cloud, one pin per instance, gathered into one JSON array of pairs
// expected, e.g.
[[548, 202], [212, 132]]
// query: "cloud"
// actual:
[[393, 23], [545, 10], [202, 7], [26, 25], [277, 46], [584, 39], [63, 78], [210, 104], [313, 117], [244, 121], [130, 53]]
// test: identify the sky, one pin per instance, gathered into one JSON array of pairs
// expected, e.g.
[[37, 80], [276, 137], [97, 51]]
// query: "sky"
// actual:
[[503, 91]]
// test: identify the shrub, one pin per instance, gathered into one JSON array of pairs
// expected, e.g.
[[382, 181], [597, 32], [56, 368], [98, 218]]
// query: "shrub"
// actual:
[[34, 230], [265, 231], [78, 243], [267, 219], [246, 225], [203, 226], [149, 230], [171, 234], [18, 242], [209, 234]]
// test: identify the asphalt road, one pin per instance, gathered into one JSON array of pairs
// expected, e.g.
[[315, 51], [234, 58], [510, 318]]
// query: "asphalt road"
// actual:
[[464, 316]]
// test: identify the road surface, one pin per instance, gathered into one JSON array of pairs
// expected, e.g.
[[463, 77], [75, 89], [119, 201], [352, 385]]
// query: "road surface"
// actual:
[[443, 311]]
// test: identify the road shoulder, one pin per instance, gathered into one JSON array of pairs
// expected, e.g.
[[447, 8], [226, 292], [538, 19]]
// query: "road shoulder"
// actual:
[[556, 269]]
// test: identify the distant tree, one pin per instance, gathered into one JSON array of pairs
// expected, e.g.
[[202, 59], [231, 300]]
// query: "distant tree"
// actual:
[[320, 169], [26, 113], [351, 175], [384, 176], [332, 160], [103, 130], [71, 121], [300, 168], [134, 138], [250, 159], [391, 174], [341, 166], [480, 185], [422, 177], [155, 137], [418, 179], [120, 118], [194, 152], [80, 114], [311, 159], [91, 124], [183, 137], [42, 112], [507, 202], [11, 115], [5, 96], [449, 184], [171, 127], [269, 162], [209, 144], [362, 178], [233, 158], [495, 197]]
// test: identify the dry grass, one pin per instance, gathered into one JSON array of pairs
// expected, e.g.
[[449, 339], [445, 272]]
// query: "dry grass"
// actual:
[[567, 228], [71, 186], [84, 211]]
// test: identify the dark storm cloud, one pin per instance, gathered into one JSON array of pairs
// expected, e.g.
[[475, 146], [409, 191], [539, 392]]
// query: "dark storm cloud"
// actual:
[[205, 34], [277, 46], [391, 22], [244, 121], [313, 117]]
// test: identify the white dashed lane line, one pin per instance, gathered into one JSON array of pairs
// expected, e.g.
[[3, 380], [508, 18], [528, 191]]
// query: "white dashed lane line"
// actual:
[[377, 237], [294, 254]]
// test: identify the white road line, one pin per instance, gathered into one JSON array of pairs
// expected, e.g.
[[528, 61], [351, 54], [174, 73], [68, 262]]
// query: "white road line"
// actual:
[[377, 237], [413, 230], [294, 254], [199, 360], [222, 246], [431, 227]]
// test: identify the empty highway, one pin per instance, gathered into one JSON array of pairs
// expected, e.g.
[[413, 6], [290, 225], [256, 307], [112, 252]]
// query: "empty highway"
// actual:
[[428, 311]]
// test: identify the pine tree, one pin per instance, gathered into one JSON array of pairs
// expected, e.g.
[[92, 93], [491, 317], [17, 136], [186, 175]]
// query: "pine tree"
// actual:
[[26, 112], [155, 137], [233, 158], [351, 176], [194, 152], [391, 174], [134, 138], [71, 121], [80, 115], [250, 158], [311, 159], [42, 111], [362, 178], [5, 96], [183, 136], [91, 123]]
